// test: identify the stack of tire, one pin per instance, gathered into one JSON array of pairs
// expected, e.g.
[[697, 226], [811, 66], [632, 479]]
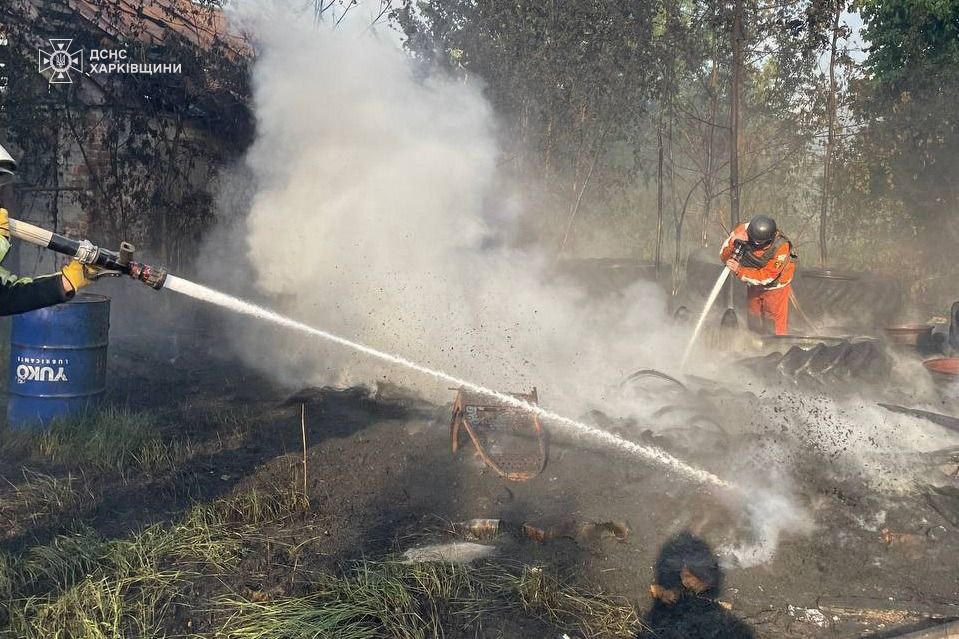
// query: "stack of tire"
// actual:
[[846, 298], [603, 277], [855, 299], [846, 363]]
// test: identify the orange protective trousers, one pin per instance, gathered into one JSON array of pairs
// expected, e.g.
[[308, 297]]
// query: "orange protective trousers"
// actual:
[[769, 304]]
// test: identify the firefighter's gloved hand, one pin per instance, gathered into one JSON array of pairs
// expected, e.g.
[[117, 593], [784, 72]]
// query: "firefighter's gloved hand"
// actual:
[[4, 223], [77, 275], [733, 265]]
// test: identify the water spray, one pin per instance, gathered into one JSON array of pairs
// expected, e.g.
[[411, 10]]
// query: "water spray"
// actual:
[[119, 262], [713, 294], [710, 301], [652, 453]]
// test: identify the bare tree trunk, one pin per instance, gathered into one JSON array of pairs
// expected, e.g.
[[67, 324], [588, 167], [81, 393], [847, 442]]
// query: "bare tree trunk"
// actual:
[[678, 219], [600, 146], [830, 137], [659, 201], [579, 198], [708, 174], [677, 257], [734, 118]]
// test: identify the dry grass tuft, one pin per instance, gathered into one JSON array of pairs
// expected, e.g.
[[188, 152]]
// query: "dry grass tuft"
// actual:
[[82, 586], [416, 601], [113, 438]]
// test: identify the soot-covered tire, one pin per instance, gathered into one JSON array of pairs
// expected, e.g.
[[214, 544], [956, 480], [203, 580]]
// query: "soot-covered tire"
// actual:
[[848, 298], [826, 365]]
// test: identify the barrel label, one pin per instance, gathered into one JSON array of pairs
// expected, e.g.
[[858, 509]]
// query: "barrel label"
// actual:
[[41, 369], [27, 373]]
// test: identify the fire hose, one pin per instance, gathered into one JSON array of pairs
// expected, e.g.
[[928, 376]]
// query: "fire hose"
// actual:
[[119, 262]]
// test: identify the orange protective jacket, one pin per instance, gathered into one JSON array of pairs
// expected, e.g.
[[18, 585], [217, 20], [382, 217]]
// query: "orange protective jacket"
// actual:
[[777, 271]]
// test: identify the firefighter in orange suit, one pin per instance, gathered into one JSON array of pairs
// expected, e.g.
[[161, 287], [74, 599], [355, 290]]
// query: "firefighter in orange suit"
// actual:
[[763, 259]]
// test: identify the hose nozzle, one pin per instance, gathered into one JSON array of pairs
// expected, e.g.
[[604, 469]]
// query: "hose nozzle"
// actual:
[[110, 262], [152, 276]]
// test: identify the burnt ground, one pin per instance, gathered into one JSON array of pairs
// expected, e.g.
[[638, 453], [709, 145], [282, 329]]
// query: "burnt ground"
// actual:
[[381, 479]]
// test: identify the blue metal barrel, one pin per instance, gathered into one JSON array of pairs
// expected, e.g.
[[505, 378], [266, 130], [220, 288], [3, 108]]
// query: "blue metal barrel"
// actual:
[[58, 360]]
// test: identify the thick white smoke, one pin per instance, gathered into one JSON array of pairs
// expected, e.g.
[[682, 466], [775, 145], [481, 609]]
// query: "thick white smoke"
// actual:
[[378, 214]]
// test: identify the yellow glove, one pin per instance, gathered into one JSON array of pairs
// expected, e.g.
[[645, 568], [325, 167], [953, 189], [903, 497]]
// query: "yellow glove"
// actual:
[[4, 224], [77, 274]]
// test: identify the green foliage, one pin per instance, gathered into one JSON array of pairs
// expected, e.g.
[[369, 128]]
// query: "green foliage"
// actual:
[[569, 83], [42, 498], [910, 147], [911, 42], [603, 85], [148, 145]]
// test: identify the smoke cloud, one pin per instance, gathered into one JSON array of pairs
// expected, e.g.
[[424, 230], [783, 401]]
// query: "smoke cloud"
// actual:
[[378, 213], [372, 205]]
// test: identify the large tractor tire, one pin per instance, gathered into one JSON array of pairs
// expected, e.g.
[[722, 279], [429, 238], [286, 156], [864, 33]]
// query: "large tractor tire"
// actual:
[[609, 276], [848, 298], [846, 364]]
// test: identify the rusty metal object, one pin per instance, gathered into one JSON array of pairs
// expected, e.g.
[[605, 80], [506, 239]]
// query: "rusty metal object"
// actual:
[[945, 374], [479, 528], [665, 595], [692, 582], [909, 334], [945, 369], [507, 438], [891, 538], [539, 535], [581, 532]]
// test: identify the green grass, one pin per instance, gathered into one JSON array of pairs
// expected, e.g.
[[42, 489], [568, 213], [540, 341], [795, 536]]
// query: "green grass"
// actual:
[[41, 497], [117, 438], [261, 505], [416, 601], [80, 585], [233, 421], [113, 438], [546, 595]]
